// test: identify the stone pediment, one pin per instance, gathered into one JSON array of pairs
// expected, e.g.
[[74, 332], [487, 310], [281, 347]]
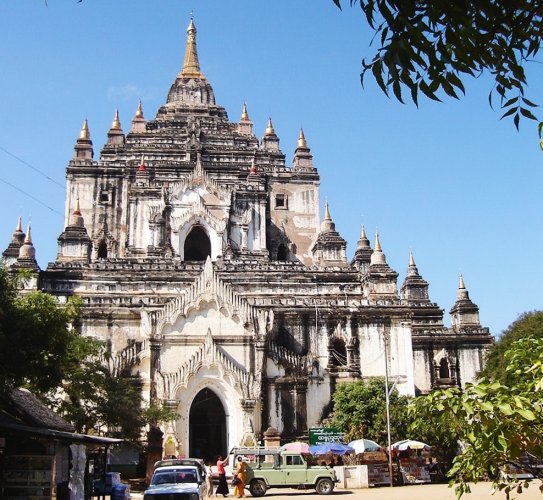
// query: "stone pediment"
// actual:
[[209, 287], [198, 180], [199, 210], [211, 356]]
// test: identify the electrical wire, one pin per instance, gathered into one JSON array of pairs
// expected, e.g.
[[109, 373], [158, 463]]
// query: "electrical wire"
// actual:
[[32, 167], [32, 197]]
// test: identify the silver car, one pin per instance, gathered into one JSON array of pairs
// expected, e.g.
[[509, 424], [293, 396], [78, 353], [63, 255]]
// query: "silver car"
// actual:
[[177, 481]]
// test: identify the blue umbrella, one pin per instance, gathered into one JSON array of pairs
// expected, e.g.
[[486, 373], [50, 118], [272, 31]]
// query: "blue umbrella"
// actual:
[[334, 448]]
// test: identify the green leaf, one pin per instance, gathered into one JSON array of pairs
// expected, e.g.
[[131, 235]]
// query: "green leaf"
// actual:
[[505, 408], [526, 414]]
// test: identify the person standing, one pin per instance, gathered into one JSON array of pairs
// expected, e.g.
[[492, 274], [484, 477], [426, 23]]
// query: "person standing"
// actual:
[[241, 474], [209, 477], [222, 489]]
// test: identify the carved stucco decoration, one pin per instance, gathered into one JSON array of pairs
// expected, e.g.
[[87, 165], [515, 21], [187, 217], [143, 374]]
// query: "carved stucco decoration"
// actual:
[[198, 210], [207, 287], [209, 355]]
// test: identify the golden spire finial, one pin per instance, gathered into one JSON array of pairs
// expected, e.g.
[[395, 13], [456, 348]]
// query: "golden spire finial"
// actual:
[[411, 260], [244, 114], [326, 211], [139, 111], [191, 66], [302, 143], [363, 233], [116, 125], [269, 128], [19, 228], [84, 134], [461, 282], [28, 237], [377, 245]]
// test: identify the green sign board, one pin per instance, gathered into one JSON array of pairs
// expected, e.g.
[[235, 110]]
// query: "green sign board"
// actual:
[[319, 435]]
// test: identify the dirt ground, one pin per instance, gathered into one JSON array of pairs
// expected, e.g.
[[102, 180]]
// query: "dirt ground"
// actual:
[[480, 491]]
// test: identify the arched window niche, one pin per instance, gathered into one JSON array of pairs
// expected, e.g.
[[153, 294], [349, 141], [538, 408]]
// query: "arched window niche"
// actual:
[[197, 245]]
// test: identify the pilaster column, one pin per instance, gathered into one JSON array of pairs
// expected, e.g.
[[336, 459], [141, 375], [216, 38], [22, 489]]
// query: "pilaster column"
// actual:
[[300, 389], [244, 230]]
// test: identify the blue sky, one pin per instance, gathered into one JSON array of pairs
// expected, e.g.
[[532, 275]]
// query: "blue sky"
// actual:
[[450, 182]]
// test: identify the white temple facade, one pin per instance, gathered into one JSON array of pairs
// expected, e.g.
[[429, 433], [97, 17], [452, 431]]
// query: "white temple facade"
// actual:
[[203, 261]]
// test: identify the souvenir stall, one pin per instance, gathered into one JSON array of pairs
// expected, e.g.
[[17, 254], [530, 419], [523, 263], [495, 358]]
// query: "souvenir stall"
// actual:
[[374, 458], [412, 458]]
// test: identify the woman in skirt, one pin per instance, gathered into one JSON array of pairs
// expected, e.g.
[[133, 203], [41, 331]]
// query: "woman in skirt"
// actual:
[[222, 489]]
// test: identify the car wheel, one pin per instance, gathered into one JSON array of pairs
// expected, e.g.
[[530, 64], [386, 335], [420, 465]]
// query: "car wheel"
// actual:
[[324, 486], [257, 488]]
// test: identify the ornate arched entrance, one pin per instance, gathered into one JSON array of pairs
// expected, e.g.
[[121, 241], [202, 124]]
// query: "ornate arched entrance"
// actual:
[[207, 426], [197, 245]]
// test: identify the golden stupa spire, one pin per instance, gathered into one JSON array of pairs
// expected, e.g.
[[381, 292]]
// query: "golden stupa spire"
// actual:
[[85, 134], [19, 228], [244, 114], [377, 245], [302, 143], [139, 111], [269, 128], [327, 215], [191, 66], [28, 237], [116, 125]]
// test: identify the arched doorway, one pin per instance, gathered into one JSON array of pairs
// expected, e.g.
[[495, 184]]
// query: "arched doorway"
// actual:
[[207, 426], [338, 353], [102, 250], [197, 244], [282, 253]]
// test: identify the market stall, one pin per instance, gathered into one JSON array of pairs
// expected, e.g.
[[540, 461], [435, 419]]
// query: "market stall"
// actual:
[[412, 457], [373, 457]]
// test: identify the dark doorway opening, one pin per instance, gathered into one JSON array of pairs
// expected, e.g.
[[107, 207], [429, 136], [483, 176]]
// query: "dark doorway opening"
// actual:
[[444, 369], [207, 427], [338, 353], [197, 244], [102, 250], [282, 253]]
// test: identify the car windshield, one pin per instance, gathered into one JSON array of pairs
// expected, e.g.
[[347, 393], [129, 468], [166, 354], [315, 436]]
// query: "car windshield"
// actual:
[[174, 476]]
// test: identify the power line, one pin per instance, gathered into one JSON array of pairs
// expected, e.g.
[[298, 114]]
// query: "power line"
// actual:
[[32, 197], [32, 167]]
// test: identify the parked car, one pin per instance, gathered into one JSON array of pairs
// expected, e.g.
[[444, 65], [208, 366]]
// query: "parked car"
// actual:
[[283, 469], [178, 479]]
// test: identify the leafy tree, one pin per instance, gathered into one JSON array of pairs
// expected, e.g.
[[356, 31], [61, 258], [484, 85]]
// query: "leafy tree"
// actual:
[[94, 398], [360, 411], [528, 325], [35, 337], [499, 425], [430, 47], [42, 352]]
